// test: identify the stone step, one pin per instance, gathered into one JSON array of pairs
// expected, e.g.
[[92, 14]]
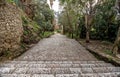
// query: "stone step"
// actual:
[[5, 70], [58, 68], [63, 75], [55, 64], [115, 74], [33, 65]]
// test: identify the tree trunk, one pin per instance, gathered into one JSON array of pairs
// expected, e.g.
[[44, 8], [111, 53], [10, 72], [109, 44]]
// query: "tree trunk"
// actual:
[[116, 43], [72, 35], [88, 22], [87, 36], [69, 21]]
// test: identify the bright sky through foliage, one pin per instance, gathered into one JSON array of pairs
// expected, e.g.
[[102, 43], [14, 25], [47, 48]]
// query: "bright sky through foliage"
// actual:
[[55, 6]]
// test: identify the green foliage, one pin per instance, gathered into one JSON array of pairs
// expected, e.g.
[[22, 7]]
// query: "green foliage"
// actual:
[[10, 1], [69, 17], [104, 23], [37, 28], [109, 52], [31, 33], [44, 15], [47, 34], [106, 43], [58, 31], [24, 20], [104, 26], [6, 53]]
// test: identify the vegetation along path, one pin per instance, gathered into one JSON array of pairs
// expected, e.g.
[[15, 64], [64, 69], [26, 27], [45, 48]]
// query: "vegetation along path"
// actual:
[[58, 56]]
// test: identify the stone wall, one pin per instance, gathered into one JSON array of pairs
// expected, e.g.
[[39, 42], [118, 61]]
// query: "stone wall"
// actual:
[[2, 2], [11, 28]]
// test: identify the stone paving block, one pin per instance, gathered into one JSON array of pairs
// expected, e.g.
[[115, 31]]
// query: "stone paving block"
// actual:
[[21, 65], [113, 69], [87, 70], [67, 75], [75, 65], [12, 62], [39, 62], [65, 65], [103, 65], [88, 75], [20, 71], [104, 75], [57, 62], [87, 65], [75, 70], [80, 62], [39, 71], [7, 65], [5, 70], [32, 62], [101, 70], [117, 73], [43, 75], [93, 62], [53, 65], [15, 75], [21, 62], [60, 70], [67, 62], [47, 62], [109, 74], [37, 65]]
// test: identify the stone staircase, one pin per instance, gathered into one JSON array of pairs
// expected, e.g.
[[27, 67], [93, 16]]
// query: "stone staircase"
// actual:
[[58, 69]]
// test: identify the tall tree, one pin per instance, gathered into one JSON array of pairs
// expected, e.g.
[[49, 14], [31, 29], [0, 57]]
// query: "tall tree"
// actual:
[[70, 14], [51, 3], [89, 8], [117, 41]]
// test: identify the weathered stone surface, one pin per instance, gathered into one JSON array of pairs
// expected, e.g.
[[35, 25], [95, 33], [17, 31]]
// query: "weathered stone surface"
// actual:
[[10, 28], [15, 75], [2, 2], [43, 75], [67, 75], [39, 71], [75, 70], [59, 48], [5, 70]]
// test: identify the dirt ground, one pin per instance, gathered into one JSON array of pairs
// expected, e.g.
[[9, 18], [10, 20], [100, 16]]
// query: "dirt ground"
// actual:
[[100, 46]]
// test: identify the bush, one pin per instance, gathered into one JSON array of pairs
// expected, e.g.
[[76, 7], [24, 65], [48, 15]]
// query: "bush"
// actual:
[[10, 1], [47, 34], [31, 32]]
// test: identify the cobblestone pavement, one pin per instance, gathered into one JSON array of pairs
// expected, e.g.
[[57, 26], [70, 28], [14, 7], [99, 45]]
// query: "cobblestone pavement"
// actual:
[[58, 56], [57, 47]]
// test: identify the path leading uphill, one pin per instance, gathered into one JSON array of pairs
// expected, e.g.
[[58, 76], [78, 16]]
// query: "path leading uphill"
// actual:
[[57, 48], [58, 56]]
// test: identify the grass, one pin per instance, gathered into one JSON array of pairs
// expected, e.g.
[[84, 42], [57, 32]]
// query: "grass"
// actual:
[[47, 34], [100, 46], [109, 52]]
